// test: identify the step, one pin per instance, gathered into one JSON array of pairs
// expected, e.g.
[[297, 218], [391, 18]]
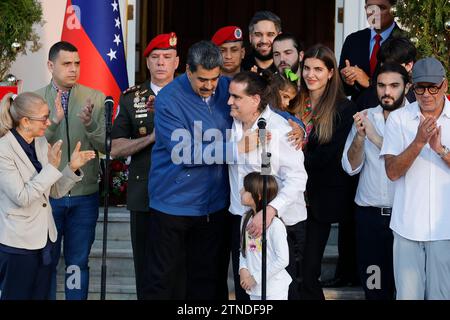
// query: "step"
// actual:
[[122, 215], [118, 228], [344, 293], [117, 288], [333, 237], [119, 259], [329, 261], [108, 296]]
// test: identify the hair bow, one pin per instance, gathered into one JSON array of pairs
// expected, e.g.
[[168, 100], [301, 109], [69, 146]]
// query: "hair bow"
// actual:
[[291, 75]]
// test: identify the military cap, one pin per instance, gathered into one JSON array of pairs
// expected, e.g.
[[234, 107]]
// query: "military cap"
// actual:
[[227, 34], [163, 42]]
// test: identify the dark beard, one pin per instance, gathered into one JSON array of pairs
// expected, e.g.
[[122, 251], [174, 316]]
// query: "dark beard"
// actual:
[[295, 67], [397, 103], [259, 56]]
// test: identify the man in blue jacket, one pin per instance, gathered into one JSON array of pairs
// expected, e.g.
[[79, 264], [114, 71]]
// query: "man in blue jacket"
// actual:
[[189, 190]]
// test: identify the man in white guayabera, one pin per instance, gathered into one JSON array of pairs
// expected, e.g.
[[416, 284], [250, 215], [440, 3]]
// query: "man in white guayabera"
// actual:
[[418, 160]]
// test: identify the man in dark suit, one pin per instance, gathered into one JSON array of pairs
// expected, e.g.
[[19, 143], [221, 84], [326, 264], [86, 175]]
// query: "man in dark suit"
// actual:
[[133, 135], [359, 53]]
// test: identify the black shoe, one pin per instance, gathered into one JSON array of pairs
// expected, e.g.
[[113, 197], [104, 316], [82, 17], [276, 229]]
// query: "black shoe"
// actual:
[[337, 283]]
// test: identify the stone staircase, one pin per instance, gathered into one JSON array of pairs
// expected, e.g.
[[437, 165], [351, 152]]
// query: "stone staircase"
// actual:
[[120, 281], [329, 262]]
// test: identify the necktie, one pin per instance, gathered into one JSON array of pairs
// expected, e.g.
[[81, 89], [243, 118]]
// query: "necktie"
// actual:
[[373, 57]]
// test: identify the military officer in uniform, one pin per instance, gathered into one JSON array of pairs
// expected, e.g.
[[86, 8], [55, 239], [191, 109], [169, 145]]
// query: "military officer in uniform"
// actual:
[[133, 135], [231, 44]]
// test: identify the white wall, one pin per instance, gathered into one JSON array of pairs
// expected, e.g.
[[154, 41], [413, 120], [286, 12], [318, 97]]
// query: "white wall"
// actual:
[[32, 68]]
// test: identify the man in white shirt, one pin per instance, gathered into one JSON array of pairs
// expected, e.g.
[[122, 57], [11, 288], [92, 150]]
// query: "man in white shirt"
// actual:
[[248, 104], [418, 160], [375, 193]]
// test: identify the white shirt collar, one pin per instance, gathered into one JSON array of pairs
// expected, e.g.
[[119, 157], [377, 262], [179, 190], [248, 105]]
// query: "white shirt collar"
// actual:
[[415, 114], [265, 114], [155, 88]]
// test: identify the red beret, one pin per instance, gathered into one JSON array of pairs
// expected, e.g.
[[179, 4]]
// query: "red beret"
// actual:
[[162, 41], [227, 34]]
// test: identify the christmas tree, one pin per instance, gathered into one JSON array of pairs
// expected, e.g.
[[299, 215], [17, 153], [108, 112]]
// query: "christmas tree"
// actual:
[[427, 23]]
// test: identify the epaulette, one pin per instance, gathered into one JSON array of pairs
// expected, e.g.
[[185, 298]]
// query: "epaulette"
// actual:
[[132, 89]]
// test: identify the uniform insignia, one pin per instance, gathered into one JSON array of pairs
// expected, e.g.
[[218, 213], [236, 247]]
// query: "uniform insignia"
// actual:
[[238, 33], [131, 89], [173, 40], [143, 131]]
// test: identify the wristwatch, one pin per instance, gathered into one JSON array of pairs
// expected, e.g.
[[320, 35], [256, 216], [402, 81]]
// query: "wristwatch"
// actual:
[[445, 152]]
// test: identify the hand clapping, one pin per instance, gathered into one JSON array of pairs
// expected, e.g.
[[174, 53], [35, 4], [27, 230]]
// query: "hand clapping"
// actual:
[[59, 111], [86, 113], [54, 153], [80, 158]]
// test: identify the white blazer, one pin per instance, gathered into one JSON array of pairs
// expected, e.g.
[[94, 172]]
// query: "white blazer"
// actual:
[[25, 213]]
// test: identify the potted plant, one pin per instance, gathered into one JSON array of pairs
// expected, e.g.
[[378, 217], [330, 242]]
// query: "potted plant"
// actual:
[[17, 18]]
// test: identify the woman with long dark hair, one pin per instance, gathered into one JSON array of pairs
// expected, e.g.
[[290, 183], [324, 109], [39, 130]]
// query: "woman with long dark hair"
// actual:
[[327, 114]]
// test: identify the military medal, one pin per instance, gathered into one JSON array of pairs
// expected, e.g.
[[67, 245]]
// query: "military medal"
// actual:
[[143, 131]]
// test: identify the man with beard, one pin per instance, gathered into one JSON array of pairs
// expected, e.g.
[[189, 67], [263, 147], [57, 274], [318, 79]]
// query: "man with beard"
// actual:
[[375, 193], [263, 29], [230, 42], [396, 50], [287, 55]]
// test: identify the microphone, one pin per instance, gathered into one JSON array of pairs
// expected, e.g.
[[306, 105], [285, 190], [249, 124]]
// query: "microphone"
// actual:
[[262, 131], [109, 105]]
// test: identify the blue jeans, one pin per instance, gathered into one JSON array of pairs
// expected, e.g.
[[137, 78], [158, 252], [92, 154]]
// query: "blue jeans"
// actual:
[[75, 218]]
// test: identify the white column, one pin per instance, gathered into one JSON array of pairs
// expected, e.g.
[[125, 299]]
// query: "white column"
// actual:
[[338, 30], [129, 37], [354, 20]]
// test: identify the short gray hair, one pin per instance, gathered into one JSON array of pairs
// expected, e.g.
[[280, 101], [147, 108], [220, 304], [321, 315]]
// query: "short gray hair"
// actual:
[[262, 16], [205, 54]]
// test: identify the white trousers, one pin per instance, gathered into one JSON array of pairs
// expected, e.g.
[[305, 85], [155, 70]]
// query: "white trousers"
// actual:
[[421, 269]]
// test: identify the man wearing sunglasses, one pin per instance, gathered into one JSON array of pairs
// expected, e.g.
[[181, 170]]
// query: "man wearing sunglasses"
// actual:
[[418, 160]]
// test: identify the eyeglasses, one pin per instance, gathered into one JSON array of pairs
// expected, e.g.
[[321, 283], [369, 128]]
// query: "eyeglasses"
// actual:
[[420, 90], [42, 119]]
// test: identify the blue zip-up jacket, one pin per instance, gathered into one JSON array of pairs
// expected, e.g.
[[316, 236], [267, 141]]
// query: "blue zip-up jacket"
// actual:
[[193, 187]]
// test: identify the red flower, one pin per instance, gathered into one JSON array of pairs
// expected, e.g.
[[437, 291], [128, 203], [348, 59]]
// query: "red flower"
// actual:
[[117, 165]]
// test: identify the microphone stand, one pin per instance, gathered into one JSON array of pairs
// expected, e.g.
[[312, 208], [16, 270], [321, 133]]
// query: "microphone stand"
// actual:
[[108, 125], [265, 172]]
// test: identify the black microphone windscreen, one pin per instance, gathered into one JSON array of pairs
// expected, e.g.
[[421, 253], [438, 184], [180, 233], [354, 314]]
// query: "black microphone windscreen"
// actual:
[[109, 99], [262, 123], [109, 106]]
